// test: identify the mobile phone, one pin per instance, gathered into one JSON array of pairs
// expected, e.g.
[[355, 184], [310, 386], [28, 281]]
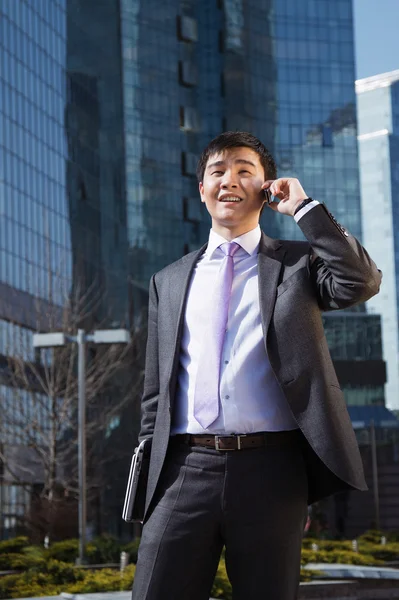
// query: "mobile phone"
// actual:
[[268, 195]]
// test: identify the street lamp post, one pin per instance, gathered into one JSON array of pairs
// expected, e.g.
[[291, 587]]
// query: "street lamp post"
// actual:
[[102, 336]]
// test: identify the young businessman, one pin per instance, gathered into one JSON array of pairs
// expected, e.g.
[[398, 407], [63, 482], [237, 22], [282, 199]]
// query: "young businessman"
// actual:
[[247, 419]]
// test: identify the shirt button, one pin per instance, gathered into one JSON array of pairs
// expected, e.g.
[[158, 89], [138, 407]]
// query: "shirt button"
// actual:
[[227, 397], [226, 362]]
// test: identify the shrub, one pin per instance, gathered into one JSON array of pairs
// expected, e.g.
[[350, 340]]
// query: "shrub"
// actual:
[[327, 544], [103, 549], [104, 580], [63, 573], [309, 574], [13, 546], [42, 573], [338, 556], [221, 586], [380, 552], [65, 551], [34, 552], [45, 579], [60, 577], [374, 536], [15, 586], [11, 562]]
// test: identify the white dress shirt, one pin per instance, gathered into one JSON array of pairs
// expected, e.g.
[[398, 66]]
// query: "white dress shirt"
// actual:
[[250, 396]]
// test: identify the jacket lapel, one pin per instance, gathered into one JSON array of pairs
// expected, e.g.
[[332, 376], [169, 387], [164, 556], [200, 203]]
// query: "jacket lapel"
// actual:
[[179, 281], [270, 260]]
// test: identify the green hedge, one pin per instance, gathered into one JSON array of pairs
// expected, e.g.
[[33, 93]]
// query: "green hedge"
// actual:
[[378, 552], [389, 552], [339, 556], [52, 571], [21, 562], [57, 577], [374, 536], [327, 544], [102, 550], [47, 579], [15, 545]]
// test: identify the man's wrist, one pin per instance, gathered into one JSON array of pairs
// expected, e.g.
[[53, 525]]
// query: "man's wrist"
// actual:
[[305, 209], [301, 205]]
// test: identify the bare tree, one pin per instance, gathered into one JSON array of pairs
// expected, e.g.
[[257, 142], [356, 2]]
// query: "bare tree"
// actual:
[[38, 422]]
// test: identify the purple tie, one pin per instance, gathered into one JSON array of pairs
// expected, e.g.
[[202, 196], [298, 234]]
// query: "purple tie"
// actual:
[[206, 396]]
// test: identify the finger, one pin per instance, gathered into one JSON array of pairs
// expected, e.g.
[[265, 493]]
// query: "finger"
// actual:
[[276, 191], [273, 205], [280, 184], [267, 184]]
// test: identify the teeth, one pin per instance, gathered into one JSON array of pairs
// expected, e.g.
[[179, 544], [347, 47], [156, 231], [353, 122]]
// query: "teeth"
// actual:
[[231, 199]]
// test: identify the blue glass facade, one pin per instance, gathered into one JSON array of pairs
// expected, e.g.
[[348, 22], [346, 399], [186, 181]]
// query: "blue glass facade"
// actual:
[[160, 77], [394, 169], [62, 193], [282, 70], [378, 119], [35, 232], [95, 161], [316, 107], [35, 235], [355, 344]]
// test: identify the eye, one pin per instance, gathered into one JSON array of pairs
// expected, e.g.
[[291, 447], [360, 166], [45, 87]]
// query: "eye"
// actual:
[[244, 171], [217, 173]]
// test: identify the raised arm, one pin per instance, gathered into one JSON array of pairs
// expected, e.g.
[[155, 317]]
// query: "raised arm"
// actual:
[[341, 269]]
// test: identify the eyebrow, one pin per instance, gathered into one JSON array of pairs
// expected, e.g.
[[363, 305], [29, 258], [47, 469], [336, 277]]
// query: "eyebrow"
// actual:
[[241, 161]]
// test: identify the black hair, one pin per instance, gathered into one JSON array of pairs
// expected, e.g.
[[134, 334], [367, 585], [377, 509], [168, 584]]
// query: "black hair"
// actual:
[[236, 139]]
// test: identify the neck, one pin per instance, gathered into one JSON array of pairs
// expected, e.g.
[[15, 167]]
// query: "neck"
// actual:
[[230, 233]]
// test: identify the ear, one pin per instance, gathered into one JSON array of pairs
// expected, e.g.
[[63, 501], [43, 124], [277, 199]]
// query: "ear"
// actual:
[[201, 191]]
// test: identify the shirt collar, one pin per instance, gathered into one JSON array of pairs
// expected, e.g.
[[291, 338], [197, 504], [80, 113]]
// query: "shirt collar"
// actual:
[[248, 241]]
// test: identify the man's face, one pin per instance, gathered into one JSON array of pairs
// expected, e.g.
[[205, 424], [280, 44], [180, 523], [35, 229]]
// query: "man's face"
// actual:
[[231, 190]]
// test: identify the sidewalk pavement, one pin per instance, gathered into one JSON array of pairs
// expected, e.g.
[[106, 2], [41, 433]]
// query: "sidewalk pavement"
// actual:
[[100, 596]]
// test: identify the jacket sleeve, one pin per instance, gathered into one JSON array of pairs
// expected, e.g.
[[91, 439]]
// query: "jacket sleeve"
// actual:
[[341, 270], [149, 402]]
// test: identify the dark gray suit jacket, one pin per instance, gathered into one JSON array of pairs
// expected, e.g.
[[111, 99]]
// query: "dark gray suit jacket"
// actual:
[[297, 280]]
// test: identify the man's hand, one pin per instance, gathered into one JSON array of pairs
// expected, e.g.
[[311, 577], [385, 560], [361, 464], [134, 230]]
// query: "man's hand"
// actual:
[[290, 193]]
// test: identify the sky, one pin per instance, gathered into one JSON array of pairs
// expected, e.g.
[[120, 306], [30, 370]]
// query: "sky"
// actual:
[[376, 25]]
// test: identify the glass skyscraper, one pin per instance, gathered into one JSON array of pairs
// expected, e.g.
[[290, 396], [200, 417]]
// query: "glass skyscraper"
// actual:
[[63, 227], [378, 119], [35, 234], [104, 109]]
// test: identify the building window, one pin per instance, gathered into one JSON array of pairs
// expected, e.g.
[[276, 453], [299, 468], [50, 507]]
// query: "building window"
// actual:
[[192, 210], [187, 29], [221, 42], [189, 163], [187, 73], [189, 118]]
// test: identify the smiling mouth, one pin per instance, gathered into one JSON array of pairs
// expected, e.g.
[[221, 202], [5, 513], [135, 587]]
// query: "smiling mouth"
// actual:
[[230, 199]]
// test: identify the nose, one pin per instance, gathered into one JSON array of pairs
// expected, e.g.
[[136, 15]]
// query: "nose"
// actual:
[[228, 181]]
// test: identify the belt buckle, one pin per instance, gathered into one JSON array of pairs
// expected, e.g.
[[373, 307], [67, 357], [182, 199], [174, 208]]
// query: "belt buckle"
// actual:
[[219, 437]]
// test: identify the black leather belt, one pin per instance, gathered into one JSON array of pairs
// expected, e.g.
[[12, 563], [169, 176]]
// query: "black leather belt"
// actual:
[[238, 441]]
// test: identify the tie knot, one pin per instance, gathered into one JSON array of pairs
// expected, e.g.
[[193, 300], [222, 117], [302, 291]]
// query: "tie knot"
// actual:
[[229, 248]]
